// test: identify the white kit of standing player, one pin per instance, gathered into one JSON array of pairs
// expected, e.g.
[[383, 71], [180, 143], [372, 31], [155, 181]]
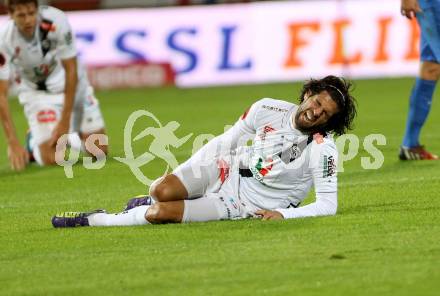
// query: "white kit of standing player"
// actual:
[[276, 172], [35, 66]]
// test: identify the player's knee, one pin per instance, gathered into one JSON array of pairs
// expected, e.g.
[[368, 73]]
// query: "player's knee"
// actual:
[[158, 213], [103, 148], [48, 159], [430, 71], [161, 191]]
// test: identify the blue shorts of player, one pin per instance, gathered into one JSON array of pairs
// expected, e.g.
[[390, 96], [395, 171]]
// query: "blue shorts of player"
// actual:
[[429, 22]]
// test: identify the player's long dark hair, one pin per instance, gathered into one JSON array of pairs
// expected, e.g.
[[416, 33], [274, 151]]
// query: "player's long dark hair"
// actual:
[[339, 90]]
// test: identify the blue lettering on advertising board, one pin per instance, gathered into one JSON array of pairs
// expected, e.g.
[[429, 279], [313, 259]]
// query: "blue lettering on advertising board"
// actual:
[[173, 44], [225, 63], [122, 46]]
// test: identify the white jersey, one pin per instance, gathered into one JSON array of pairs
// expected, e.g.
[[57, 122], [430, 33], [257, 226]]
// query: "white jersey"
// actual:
[[35, 63], [278, 170]]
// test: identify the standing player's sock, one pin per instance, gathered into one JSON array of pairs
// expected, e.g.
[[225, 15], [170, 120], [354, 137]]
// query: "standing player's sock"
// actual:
[[419, 106], [135, 216], [75, 142]]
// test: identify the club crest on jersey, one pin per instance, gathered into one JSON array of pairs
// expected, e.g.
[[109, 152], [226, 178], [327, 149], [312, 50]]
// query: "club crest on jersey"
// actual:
[[329, 166], [68, 38], [294, 152]]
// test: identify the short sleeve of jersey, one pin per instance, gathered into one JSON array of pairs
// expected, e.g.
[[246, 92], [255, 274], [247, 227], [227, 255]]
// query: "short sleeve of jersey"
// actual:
[[66, 40], [4, 61], [250, 119], [324, 166]]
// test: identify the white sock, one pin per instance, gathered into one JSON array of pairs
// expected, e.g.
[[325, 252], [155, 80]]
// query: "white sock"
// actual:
[[37, 154], [135, 216], [75, 142]]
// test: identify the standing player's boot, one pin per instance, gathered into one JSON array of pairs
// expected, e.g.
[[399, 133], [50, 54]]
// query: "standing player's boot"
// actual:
[[416, 153], [140, 200], [73, 219]]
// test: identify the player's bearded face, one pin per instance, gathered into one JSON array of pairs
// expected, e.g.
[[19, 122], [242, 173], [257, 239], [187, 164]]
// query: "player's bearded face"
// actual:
[[314, 112], [25, 18]]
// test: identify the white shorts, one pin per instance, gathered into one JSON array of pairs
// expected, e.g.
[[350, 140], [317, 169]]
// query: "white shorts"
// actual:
[[43, 111], [212, 182]]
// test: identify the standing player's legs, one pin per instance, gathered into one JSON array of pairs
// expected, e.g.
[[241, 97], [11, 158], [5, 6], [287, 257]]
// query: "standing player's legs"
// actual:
[[43, 112], [421, 96]]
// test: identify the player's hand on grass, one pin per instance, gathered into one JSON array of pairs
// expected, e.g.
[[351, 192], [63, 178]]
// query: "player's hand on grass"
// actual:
[[61, 129], [18, 156], [409, 8], [269, 215]]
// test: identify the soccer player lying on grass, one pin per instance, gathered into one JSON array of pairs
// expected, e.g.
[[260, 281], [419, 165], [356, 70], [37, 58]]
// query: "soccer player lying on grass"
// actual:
[[292, 149]]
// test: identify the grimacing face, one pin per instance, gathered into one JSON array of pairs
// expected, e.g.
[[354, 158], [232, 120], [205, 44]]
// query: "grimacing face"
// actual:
[[314, 112], [25, 18]]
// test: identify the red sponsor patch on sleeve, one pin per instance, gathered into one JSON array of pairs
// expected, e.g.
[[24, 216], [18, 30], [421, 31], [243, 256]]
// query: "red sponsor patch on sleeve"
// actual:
[[224, 170], [245, 113]]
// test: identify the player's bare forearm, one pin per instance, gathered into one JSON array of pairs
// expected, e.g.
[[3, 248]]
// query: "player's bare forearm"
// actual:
[[5, 114], [18, 156], [70, 67], [71, 81]]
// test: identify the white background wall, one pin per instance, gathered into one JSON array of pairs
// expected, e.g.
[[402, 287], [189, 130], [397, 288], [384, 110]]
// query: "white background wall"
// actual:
[[255, 42]]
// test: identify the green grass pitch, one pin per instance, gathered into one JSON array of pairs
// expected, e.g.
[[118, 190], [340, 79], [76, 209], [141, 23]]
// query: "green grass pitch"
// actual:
[[385, 239]]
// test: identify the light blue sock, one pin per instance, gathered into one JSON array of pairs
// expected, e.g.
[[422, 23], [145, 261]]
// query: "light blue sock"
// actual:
[[419, 106]]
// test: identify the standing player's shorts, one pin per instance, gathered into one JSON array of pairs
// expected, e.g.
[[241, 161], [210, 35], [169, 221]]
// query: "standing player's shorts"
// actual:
[[43, 111], [429, 22]]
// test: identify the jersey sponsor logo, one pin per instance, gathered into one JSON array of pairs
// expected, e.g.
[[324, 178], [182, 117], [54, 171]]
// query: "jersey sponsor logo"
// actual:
[[2, 60], [262, 168], [329, 166], [46, 116], [276, 109]]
